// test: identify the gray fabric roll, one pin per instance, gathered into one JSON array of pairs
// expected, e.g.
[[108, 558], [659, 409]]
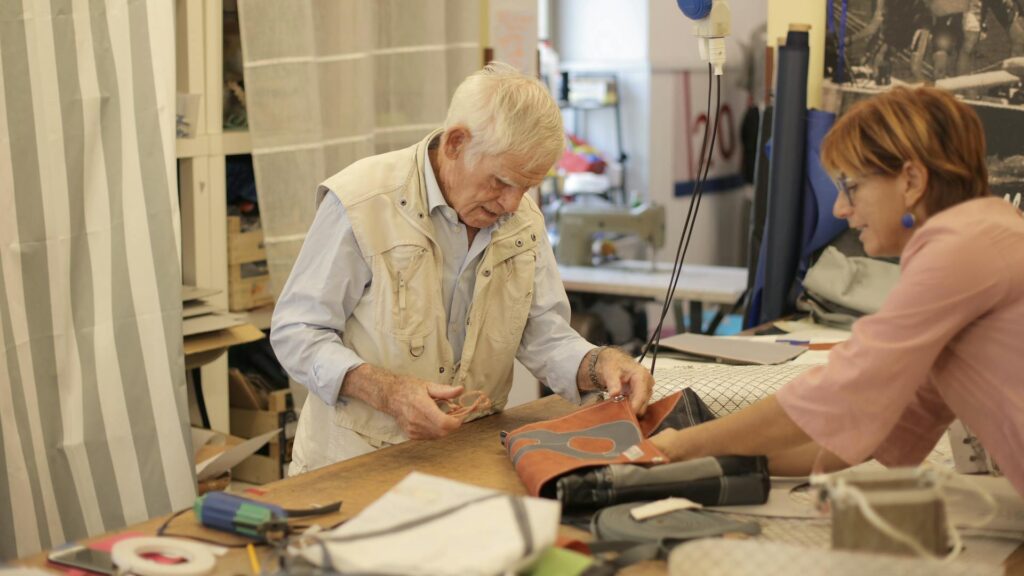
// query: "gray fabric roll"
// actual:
[[628, 474]]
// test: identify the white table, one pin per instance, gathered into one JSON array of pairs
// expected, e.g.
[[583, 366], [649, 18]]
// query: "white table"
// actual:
[[636, 279]]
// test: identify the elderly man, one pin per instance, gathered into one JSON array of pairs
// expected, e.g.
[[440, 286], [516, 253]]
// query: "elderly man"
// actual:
[[426, 272]]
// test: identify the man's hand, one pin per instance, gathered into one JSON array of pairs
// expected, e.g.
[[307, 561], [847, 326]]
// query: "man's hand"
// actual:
[[410, 400], [413, 404], [618, 375]]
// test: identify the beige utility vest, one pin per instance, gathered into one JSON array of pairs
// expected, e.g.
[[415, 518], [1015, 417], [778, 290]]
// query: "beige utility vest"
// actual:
[[400, 323]]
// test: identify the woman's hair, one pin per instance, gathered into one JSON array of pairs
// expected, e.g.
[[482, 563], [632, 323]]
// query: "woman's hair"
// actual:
[[507, 112], [927, 125]]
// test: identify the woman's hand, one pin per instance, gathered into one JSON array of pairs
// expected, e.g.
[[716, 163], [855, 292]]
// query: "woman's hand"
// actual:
[[670, 443], [762, 429]]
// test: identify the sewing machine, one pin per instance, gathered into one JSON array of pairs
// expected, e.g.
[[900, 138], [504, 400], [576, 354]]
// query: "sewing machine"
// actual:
[[577, 224]]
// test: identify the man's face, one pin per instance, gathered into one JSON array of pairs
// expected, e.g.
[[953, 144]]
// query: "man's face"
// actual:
[[492, 187]]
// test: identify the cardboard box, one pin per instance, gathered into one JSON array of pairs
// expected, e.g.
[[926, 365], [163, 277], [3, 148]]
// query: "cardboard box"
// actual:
[[254, 423], [255, 413]]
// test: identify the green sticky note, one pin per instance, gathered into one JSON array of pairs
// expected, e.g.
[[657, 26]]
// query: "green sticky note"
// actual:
[[560, 562]]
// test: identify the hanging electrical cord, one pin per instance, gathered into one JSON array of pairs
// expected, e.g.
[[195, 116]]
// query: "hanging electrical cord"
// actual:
[[699, 195], [680, 248], [689, 231], [690, 217], [703, 169], [686, 224]]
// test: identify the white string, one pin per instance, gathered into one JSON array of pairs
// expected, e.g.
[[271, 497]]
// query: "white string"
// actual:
[[1016, 201]]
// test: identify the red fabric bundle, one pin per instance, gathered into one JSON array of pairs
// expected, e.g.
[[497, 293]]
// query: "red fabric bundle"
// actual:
[[598, 435]]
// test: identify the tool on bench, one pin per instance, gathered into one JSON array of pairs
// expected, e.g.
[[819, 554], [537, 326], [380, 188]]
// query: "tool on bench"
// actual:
[[246, 517]]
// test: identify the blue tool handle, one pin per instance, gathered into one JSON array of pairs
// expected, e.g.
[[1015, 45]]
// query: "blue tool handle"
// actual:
[[236, 514]]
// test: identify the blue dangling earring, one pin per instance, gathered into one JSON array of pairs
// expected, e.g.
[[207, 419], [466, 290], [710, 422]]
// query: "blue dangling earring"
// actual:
[[908, 221]]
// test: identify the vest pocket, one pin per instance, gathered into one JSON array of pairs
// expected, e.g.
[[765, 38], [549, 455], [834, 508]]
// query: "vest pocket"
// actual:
[[513, 291], [406, 292]]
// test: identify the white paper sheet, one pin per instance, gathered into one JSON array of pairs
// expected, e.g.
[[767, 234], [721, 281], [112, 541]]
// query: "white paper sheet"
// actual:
[[482, 538]]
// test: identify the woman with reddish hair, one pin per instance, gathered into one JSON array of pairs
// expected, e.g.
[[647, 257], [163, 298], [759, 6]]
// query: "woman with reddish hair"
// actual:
[[946, 343]]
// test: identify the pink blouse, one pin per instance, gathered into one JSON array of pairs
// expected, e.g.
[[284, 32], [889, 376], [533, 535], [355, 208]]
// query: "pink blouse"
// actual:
[[947, 343]]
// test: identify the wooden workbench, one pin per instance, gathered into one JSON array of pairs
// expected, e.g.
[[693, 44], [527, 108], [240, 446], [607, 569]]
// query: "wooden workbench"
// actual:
[[473, 454]]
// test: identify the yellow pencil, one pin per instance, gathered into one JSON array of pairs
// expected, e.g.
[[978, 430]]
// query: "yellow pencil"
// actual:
[[253, 560]]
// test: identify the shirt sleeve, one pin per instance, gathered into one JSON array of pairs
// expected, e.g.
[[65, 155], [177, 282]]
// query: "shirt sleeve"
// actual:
[[918, 429], [875, 387], [327, 281], [550, 349]]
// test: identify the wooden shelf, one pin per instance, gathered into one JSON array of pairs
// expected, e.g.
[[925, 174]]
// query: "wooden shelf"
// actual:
[[232, 142], [227, 143], [191, 147], [199, 29]]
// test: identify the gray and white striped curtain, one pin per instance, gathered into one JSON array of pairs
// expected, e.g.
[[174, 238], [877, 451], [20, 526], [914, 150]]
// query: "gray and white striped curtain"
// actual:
[[331, 81], [93, 423]]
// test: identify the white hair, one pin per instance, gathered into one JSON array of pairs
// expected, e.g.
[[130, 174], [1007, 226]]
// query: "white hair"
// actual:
[[507, 112]]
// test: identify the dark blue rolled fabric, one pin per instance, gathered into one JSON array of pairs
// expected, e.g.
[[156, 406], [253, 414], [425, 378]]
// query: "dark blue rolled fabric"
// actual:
[[820, 226], [755, 258], [753, 316], [786, 179]]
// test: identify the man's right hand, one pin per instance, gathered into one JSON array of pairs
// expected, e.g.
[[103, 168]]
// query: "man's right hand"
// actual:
[[413, 403]]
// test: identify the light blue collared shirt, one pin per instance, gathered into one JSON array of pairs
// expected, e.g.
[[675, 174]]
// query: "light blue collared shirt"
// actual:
[[330, 276]]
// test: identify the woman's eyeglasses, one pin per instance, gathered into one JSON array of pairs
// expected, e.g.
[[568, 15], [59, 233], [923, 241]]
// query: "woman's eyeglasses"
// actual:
[[847, 187]]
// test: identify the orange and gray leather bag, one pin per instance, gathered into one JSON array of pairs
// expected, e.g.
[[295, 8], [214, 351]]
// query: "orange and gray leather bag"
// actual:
[[601, 455]]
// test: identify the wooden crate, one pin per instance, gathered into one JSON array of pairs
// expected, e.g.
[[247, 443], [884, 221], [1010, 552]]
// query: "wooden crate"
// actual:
[[271, 462], [248, 280], [247, 292]]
